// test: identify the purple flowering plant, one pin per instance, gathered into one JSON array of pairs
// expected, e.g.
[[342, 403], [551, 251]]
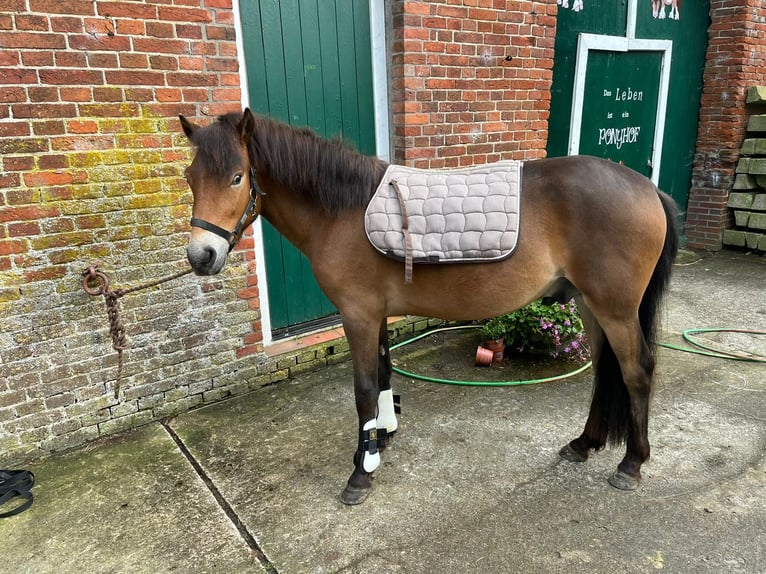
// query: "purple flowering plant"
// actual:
[[555, 329]]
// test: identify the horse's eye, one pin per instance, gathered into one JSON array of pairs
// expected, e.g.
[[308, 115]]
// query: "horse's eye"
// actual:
[[237, 179]]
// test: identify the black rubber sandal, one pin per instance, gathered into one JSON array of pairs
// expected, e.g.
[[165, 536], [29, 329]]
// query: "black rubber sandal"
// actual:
[[13, 484]]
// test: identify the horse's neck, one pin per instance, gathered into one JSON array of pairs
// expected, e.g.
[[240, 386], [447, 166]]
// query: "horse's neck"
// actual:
[[300, 221]]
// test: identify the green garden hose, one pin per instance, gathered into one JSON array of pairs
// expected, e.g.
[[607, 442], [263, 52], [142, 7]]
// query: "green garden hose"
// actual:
[[475, 383], [705, 350], [710, 351]]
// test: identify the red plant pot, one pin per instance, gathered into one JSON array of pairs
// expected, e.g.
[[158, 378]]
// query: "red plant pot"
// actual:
[[483, 357], [497, 346]]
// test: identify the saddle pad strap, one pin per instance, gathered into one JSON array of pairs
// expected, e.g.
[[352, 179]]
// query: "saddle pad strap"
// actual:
[[406, 232]]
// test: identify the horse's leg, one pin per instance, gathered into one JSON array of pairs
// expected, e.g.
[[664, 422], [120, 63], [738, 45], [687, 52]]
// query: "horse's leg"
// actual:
[[595, 433], [363, 342], [637, 363], [386, 419], [623, 369]]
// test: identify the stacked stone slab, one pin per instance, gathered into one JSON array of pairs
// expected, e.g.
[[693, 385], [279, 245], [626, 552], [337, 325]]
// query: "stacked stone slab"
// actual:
[[748, 199]]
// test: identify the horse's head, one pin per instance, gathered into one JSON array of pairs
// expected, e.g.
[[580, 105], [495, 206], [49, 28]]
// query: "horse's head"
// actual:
[[222, 181]]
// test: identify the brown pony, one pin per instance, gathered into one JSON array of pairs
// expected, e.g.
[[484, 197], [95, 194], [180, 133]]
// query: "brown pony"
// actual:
[[590, 228]]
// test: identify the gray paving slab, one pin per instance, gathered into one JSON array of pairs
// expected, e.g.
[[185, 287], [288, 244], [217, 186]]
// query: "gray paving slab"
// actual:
[[133, 504]]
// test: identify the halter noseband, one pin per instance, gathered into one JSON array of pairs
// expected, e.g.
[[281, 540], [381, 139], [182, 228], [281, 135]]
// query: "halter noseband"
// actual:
[[232, 237]]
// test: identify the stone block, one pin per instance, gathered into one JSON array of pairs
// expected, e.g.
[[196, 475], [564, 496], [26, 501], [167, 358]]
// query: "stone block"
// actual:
[[761, 180], [743, 165], [757, 221], [757, 123], [741, 218], [759, 203], [745, 181], [753, 239], [754, 146], [756, 95], [741, 200], [734, 238]]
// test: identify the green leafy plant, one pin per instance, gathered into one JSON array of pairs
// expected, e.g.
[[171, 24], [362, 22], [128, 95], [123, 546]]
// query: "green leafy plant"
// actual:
[[556, 329]]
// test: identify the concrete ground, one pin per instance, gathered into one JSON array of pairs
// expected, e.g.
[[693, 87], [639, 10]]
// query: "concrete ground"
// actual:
[[472, 482]]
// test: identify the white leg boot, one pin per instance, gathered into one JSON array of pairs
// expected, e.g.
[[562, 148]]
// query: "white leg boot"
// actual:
[[371, 460], [386, 411]]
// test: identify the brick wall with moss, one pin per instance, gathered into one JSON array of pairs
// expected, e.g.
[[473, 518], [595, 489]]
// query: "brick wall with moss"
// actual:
[[91, 160]]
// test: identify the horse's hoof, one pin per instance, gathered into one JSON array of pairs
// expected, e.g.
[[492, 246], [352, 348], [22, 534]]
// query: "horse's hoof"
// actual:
[[353, 495], [623, 481], [570, 454]]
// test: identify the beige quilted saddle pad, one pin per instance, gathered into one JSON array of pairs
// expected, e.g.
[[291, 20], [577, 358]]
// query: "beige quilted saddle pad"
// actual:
[[451, 216]]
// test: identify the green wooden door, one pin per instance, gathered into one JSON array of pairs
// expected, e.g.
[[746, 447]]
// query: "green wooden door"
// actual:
[[621, 101], [309, 63], [689, 34], [631, 66]]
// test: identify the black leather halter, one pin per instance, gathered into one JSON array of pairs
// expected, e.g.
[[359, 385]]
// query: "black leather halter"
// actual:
[[232, 237]]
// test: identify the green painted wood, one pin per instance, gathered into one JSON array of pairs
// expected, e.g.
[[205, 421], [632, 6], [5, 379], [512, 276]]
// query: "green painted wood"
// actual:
[[273, 247], [312, 65], [362, 49], [293, 62], [253, 45], [619, 115], [689, 36], [344, 12], [308, 64], [330, 72], [275, 80], [609, 19]]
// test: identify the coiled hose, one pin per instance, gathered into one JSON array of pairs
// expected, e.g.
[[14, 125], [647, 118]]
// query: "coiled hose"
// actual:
[[688, 335]]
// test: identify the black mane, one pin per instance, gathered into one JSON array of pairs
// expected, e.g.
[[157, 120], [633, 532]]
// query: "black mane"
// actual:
[[328, 172]]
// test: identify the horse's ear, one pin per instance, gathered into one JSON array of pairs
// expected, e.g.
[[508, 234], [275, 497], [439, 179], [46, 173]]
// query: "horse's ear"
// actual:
[[246, 126], [189, 128]]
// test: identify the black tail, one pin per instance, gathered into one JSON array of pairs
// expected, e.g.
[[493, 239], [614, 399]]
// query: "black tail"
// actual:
[[648, 312], [610, 396]]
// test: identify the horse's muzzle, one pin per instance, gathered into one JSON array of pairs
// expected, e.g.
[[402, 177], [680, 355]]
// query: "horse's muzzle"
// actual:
[[207, 255]]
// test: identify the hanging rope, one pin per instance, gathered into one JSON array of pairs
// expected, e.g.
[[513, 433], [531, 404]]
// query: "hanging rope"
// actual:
[[95, 283]]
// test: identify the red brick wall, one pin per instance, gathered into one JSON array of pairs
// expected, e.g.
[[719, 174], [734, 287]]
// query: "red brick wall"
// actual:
[[736, 60], [456, 101], [91, 160]]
